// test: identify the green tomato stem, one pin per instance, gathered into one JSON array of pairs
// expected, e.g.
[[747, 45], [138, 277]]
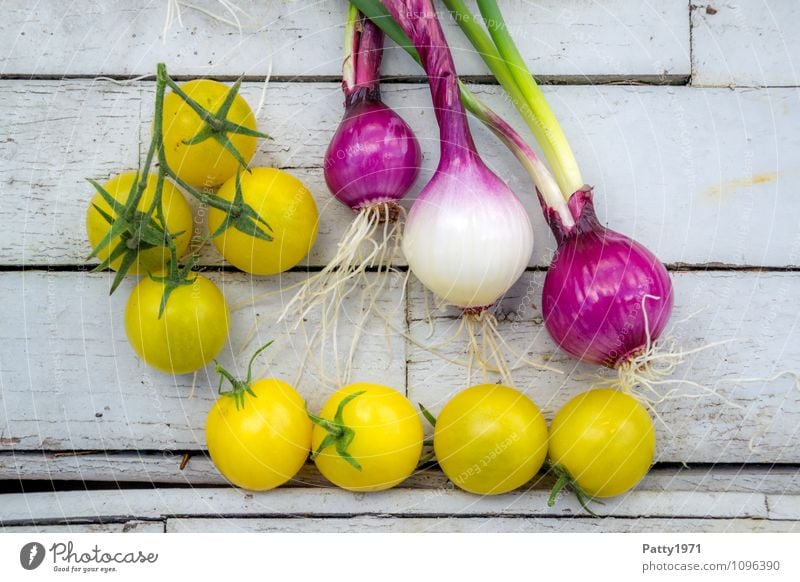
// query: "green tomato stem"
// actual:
[[239, 388], [565, 480], [427, 414]]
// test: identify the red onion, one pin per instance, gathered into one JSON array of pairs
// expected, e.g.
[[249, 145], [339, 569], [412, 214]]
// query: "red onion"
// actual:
[[374, 157], [606, 297], [371, 163]]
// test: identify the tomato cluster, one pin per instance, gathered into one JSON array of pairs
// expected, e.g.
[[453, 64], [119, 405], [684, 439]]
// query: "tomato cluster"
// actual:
[[261, 220]]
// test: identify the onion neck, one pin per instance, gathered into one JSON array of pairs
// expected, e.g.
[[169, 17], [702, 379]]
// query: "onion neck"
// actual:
[[584, 218], [418, 20], [363, 51]]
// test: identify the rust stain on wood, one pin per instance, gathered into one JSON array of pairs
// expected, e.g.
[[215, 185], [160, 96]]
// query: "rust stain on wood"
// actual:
[[731, 186]]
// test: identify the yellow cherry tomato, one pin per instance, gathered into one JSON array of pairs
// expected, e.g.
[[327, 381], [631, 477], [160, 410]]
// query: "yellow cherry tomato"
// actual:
[[490, 439], [375, 445], [285, 204], [207, 163], [177, 214], [604, 440], [263, 440], [189, 333]]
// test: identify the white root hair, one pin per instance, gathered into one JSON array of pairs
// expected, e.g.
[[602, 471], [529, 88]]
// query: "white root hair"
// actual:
[[173, 14], [647, 375], [486, 348], [371, 243]]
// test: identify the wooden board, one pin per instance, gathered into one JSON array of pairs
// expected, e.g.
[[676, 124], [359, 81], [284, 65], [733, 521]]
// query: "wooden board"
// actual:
[[65, 506], [746, 43], [55, 399], [702, 174], [654, 154], [610, 40], [120, 527], [487, 524], [71, 381], [750, 422]]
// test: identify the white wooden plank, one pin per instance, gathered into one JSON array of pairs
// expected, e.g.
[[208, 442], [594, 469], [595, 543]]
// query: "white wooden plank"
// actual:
[[164, 468], [756, 422], [751, 43], [573, 38], [780, 507], [230, 502], [655, 155], [122, 527], [65, 361], [71, 381], [475, 524]]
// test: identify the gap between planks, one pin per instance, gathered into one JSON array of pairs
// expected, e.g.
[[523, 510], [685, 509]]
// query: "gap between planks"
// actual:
[[577, 80]]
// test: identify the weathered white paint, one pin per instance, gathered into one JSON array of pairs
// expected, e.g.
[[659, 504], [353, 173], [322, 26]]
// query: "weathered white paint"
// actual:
[[780, 507], [746, 43], [615, 38], [163, 468], [752, 310], [475, 524], [672, 166], [71, 381], [699, 175], [19, 508], [65, 359], [122, 527]]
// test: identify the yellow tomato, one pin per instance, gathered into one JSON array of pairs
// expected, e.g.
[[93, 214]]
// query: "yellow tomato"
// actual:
[[204, 164], [381, 433], [286, 205], [264, 441], [189, 333], [490, 439], [604, 440], [177, 214]]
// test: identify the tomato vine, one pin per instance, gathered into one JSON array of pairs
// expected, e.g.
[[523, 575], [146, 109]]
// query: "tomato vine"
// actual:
[[139, 230]]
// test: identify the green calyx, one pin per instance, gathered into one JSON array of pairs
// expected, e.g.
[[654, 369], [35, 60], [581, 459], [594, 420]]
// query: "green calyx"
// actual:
[[565, 480], [239, 388], [338, 435], [217, 125], [242, 217], [176, 276], [140, 230], [137, 231]]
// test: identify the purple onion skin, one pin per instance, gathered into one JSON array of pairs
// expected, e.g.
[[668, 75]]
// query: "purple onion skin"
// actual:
[[373, 157], [594, 290]]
